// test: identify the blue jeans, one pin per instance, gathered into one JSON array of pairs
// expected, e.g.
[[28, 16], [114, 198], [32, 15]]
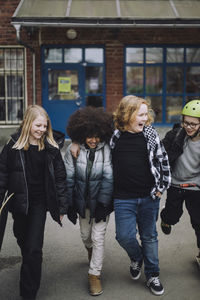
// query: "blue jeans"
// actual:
[[141, 213]]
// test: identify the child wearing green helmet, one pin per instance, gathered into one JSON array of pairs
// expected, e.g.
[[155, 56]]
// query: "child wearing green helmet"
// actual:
[[182, 144]]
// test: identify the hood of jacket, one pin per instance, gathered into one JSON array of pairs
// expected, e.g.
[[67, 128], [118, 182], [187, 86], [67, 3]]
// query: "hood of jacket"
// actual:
[[180, 134], [59, 138]]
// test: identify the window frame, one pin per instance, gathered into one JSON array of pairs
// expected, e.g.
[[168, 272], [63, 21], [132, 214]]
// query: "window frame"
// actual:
[[82, 63], [6, 72], [164, 64]]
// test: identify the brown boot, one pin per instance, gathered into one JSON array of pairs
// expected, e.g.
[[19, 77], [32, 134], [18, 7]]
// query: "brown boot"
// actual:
[[95, 285], [89, 250]]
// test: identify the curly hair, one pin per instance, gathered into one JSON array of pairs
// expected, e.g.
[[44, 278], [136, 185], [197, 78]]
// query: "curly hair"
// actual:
[[90, 122], [127, 110]]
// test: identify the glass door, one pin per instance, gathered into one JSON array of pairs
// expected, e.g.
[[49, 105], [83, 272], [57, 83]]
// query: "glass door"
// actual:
[[63, 93], [72, 77]]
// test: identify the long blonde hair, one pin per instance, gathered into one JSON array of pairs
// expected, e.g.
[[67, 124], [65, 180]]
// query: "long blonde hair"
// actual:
[[127, 110], [32, 112]]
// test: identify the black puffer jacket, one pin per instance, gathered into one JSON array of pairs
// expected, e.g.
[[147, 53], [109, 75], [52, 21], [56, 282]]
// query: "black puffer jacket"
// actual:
[[13, 178], [173, 143]]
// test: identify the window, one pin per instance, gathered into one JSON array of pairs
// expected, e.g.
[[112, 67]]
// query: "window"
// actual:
[[94, 76], [62, 63], [12, 94], [166, 76]]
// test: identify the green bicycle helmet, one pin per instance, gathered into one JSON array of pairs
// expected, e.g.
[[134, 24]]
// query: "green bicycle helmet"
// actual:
[[192, 109]]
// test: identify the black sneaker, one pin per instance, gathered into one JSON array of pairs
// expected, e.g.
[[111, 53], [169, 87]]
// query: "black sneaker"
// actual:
[[155, 285], [166, 228], [135, 269]]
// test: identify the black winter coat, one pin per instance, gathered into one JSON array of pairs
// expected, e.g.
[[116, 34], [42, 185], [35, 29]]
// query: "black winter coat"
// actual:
[[13, 178], [173, 143]]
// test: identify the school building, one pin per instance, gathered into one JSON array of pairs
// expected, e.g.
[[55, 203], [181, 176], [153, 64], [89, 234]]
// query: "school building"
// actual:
[[65, 54]]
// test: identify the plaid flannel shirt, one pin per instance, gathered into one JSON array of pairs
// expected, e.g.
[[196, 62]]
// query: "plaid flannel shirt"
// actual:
[[158, 159]]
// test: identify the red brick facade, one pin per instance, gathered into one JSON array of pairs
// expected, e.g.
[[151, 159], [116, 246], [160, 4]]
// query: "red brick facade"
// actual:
[[113, 40], [7, 31]]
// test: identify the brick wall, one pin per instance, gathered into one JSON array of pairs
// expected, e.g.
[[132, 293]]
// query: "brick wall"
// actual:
[[113, 40], [8, 37], [7, 31]]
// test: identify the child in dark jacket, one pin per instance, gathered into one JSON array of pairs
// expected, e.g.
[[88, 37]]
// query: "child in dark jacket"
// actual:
[[182, 144], [90, 184], [32, 168]]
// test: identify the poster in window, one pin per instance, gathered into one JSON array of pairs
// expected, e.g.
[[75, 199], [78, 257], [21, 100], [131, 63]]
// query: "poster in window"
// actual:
[[64, 85]]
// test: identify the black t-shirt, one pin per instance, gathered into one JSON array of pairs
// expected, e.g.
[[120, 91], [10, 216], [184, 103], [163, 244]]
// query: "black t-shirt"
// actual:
[[131, 168], [35, 170]]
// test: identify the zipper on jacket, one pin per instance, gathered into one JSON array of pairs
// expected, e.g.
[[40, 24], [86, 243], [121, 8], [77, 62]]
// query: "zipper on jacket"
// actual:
[[87, 192], [87, 184], [24, 179]]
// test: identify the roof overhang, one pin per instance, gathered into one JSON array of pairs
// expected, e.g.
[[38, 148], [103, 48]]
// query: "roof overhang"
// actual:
[[107, 13]]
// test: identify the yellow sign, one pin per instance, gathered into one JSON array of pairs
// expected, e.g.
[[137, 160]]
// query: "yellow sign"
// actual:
[[64, 85]]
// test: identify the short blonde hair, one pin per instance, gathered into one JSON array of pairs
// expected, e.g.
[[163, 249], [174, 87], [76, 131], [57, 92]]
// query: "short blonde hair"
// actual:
[[32, 112], [127, 110]]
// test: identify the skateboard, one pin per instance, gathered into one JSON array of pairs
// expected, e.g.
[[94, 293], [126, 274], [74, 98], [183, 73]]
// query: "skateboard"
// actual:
[[3, 217]]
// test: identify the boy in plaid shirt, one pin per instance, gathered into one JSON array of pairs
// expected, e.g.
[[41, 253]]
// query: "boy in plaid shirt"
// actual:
[[141, 174]]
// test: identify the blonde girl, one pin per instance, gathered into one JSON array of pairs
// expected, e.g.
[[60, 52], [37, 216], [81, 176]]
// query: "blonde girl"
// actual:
[[32, 168]]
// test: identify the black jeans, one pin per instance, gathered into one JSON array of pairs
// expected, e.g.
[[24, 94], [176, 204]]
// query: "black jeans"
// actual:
[[29, 232], [174, 208]]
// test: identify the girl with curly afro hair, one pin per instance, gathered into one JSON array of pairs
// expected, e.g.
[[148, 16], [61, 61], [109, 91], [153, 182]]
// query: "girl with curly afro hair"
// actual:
[[90, 122], [90, 184]]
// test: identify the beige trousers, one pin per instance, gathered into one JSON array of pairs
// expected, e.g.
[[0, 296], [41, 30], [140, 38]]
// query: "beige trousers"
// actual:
[[93, 236]]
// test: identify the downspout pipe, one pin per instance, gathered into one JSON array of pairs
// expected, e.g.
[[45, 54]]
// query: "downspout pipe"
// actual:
[[17, 28]]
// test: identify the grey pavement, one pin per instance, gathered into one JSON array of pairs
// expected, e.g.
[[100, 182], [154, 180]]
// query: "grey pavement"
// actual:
[[65, 265]]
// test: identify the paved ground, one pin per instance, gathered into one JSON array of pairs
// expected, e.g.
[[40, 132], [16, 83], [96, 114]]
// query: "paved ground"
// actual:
[[65, 266]]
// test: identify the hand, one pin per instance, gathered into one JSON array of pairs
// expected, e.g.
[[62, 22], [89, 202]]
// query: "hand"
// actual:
[[158, 194], [75, 150], [61, 217]]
